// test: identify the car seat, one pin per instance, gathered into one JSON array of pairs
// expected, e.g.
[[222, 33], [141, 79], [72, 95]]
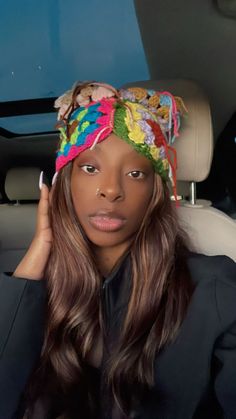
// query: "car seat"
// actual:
[[211, 231], [17, 219]]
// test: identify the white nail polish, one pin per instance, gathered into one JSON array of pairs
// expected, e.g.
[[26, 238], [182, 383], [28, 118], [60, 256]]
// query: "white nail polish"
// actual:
[[40, 180], [54, 178]]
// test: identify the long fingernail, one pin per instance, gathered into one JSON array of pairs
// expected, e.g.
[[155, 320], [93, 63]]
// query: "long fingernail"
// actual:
[[40, 180], [54, 178]]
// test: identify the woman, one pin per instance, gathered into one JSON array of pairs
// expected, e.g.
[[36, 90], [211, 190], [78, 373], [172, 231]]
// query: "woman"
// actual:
[[136, 326]]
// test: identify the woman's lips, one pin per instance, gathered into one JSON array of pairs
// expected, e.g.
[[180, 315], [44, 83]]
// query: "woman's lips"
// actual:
[[106, 222]]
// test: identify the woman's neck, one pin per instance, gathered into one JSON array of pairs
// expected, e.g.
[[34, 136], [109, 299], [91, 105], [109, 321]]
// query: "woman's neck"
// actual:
[[107, 257]]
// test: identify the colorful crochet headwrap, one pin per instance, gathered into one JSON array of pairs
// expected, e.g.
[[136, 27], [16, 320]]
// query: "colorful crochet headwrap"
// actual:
[[146, 119]]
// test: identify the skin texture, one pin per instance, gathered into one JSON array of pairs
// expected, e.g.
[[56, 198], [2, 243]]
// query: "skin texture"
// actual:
[[111, 189]]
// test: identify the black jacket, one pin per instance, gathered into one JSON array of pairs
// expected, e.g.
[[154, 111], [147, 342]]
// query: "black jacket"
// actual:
[[195, 377]]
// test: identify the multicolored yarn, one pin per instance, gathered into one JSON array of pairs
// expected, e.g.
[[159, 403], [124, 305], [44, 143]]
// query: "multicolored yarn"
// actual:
[[146, 119]]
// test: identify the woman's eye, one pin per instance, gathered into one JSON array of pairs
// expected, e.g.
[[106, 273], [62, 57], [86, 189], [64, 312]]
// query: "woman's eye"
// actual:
[[88, 168], [136, 174]]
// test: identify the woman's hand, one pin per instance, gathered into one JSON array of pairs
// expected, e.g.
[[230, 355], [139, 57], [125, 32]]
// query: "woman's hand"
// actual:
[[32, 266]]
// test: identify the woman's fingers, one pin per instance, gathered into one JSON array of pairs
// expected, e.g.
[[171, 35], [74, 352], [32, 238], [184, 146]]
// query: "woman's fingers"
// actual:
[[43, 209], [33, 264]]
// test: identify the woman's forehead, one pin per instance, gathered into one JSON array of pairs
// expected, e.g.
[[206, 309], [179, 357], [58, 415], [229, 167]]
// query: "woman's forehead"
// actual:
[[114, 148]]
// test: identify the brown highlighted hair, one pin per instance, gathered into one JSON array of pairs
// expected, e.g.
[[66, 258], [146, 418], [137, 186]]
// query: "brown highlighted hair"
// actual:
[[161, 290]]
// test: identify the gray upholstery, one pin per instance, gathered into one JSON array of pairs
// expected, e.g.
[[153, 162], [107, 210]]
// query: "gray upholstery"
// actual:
[[22, 183], [17, 225], [227, 7], [9, 259], [17, 221]]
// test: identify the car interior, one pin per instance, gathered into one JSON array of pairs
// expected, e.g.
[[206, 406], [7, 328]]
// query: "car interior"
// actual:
[[208, 91]]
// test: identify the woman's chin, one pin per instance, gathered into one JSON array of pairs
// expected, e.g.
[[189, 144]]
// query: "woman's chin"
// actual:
[[108, 239]]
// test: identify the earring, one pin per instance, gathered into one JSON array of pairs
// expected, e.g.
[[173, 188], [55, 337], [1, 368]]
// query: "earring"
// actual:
[[98, 192]]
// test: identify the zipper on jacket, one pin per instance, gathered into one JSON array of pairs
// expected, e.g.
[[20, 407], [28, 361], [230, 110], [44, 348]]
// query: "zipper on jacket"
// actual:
[[104, 305]]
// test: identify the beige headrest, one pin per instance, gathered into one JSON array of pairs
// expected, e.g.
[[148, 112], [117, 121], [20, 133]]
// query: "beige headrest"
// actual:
[[22, 183], [195, 143], [211, 231]]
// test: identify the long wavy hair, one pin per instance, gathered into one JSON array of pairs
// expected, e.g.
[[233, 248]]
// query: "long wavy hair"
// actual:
[[160, 293]]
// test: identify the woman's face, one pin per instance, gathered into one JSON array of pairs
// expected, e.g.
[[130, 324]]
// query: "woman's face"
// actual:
[[111, 188]]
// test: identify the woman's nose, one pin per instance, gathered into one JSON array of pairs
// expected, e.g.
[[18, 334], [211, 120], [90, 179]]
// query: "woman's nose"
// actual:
[[111, 189]]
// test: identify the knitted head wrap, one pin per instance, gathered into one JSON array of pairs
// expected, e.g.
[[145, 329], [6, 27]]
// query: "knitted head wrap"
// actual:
[[146, 119]]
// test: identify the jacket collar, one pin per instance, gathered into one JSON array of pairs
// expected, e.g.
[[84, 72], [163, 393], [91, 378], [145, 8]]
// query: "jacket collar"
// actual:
[[116, 290]]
